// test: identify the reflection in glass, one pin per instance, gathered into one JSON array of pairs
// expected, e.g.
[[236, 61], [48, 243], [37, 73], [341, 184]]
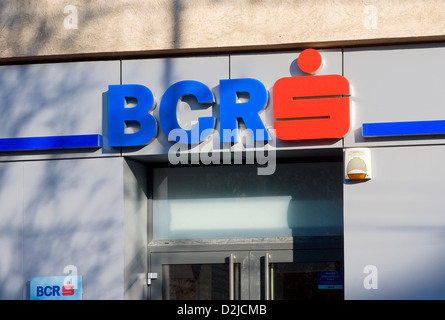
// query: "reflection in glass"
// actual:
[[299, 199], [198, 281], [306, 281]]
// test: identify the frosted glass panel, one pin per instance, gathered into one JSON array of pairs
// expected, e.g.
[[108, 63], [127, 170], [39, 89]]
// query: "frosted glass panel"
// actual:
[[302, 199]]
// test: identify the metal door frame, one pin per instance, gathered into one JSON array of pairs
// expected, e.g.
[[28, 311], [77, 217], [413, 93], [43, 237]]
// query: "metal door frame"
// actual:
[[201, 257], [261, 260], [248, 252]]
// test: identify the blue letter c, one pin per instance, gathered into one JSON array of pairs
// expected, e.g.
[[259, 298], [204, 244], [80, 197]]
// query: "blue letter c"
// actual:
[[167, 109]]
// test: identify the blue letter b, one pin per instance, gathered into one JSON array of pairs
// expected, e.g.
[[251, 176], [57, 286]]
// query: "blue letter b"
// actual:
[[120, 115]]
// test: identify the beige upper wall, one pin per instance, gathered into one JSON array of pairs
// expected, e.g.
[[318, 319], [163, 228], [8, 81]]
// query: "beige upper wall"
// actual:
[[59, 27]]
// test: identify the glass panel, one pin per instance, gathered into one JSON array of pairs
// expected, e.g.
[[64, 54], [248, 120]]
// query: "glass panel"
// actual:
[[299, 199], [198, 281], [306, 281]]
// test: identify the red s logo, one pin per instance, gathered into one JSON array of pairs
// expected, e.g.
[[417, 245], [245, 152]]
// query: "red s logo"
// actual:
[[311, 107], [68, 290]]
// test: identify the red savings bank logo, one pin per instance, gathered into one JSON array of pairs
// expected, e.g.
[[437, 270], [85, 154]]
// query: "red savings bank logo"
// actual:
[[68, 289], [311, 107]]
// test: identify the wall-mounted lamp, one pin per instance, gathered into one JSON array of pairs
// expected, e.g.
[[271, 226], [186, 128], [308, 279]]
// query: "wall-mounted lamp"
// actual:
[[358, 164]]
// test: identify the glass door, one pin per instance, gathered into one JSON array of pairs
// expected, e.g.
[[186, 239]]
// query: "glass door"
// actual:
[[200, 276], [248, 275], [209, 225], [300, 274]]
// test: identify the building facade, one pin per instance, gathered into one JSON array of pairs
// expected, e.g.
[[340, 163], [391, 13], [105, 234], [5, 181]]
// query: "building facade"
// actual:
[[182, 158]]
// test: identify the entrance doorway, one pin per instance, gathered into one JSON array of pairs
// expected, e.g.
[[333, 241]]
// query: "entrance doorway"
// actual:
[[248, 275], [225, 232]]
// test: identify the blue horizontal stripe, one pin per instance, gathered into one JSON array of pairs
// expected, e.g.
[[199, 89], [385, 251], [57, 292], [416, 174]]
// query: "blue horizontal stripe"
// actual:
[[384, 129], [54, 142]]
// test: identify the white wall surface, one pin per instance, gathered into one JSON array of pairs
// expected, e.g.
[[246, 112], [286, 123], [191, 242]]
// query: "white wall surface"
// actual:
[[395, 83], [60, 213], [396, 222], [11, 231], [56, 100]]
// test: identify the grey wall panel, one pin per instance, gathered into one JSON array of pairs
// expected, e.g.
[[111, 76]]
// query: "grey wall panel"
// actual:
[[12, 284], [73, 215], [396, 223], [159, 74], [135, 230], [55, 99], [395, 83], [268, 68]]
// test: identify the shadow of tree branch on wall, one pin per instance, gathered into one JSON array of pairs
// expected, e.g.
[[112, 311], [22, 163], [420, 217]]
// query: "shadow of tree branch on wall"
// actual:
[[42, 28]]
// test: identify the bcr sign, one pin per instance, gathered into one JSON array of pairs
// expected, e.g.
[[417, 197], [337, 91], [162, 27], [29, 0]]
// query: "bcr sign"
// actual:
[[307, 107]]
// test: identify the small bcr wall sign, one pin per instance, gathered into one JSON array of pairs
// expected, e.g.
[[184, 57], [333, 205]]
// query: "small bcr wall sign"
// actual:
[[56, 288]]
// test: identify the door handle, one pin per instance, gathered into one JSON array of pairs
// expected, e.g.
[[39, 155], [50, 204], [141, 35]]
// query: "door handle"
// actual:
[[232, 276]]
